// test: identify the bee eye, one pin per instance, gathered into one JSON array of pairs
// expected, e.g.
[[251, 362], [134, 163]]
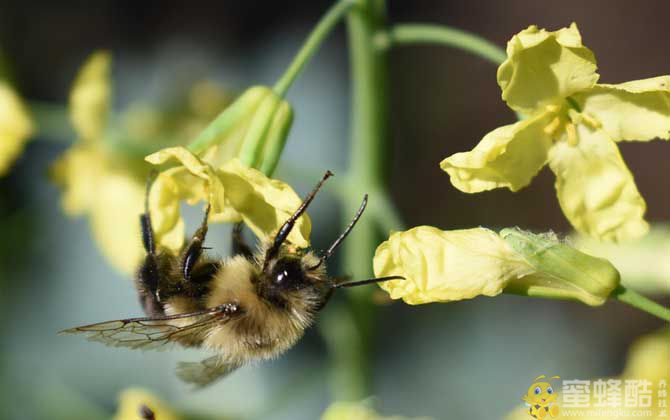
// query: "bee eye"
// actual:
[[538, 390], [550, 390], [287, 274]]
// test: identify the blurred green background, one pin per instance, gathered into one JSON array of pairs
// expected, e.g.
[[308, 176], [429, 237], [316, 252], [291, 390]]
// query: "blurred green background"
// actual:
[[470, 359]]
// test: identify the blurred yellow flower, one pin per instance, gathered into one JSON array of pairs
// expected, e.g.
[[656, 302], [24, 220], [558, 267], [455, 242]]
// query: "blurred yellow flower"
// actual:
[[572, 123], [236, 193], [444, 266], [101, 176], [356, 411], [138, 404], [16, 126]]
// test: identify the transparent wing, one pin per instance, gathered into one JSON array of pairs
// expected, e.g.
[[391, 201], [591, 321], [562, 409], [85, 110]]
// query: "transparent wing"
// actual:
[[156, 332], [205, 372]]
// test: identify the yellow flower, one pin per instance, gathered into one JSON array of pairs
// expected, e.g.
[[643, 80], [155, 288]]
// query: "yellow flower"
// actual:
[[572, 123], [355, 411], [137, 403], [444, 266], [16, 126], [234, 191], [100, 175]]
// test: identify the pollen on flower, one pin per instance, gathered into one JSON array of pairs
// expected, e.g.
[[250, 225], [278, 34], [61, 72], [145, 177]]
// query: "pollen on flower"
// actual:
[[571, 131]]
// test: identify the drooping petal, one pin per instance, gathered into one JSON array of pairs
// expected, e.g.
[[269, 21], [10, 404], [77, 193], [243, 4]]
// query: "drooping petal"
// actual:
[[192, 182], [509, 156], [115, 217], [443, 266], [544, 67], [16, 126], [90, 97], [134, 402], [111, 196], [596, 190], [636, 110], [235, 192], [263, 203], [76, 173]]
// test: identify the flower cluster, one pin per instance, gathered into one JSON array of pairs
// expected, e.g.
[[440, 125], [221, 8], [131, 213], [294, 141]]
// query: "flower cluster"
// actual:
[[573, 123], [103, 175]]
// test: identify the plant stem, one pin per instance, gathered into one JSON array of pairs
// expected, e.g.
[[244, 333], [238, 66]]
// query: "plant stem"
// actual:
[[418, 33], [636, 300], [312, 44], [350, 343]]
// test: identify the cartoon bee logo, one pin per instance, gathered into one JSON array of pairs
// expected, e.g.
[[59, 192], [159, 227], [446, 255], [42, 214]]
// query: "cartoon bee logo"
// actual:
[[541, 398]]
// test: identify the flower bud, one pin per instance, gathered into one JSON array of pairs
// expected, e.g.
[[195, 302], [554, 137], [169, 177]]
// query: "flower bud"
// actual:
[[253, 128], [562, 272]]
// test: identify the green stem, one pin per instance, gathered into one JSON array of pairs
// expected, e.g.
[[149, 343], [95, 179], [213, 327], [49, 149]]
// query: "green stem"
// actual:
[[418, 33], [638, 301], [350, 344], [312, 44]]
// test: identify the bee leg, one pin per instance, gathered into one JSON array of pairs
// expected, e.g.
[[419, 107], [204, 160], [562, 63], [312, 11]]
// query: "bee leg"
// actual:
[[240, 246], [194, 249], [148, 276]]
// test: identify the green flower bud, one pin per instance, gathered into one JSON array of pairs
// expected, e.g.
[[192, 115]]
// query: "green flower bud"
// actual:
[[562, 272], [253, 128]]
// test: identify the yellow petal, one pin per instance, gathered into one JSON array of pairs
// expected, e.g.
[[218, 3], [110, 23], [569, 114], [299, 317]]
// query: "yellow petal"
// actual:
[[596, 190], [544, 67], [192, 182], [235, 192], [77, 172], [90, 97], [443, 266], [636, 110], [16, 126], [509, 156], [132, 400], [264, 203], [112, 196], [115, 219]]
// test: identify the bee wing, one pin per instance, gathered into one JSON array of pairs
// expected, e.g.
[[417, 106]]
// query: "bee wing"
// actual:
[[155, 332], [206, 371]]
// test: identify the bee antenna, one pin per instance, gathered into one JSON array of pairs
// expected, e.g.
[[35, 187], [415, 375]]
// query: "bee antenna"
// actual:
[[286, 228], [344, 234], [367, 281]]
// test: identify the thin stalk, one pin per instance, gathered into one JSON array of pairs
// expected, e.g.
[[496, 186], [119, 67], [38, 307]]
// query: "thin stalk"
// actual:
[[418, 33], [636, 300], [351, 346], [312, 44]]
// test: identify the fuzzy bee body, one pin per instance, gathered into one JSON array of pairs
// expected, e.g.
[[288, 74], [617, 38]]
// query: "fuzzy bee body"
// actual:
[[244, 308]]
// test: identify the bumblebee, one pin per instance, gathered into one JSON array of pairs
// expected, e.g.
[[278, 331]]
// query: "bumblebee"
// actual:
[[251, 306]]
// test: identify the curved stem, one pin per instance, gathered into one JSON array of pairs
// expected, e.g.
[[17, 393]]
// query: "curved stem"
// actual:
[[418, 33], [638, 301], [312, 44]]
